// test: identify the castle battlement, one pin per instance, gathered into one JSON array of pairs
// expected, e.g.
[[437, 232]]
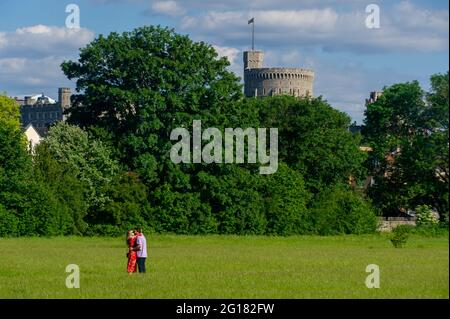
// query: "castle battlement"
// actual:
[[260, 81], [42, 111]]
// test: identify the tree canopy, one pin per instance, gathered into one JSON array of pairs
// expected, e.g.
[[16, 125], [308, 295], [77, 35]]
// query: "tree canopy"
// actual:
[[408, 131], [9, 112], [109, 167]]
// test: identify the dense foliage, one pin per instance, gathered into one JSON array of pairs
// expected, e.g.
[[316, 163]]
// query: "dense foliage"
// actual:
[[408, 131], [109, 169]]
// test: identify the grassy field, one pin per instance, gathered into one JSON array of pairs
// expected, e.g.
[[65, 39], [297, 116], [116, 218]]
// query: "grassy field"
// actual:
[[226, 267]]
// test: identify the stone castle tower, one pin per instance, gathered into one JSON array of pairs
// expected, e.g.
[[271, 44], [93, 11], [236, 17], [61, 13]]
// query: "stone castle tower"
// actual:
[[64, 100], [260, 82], [64, 97]]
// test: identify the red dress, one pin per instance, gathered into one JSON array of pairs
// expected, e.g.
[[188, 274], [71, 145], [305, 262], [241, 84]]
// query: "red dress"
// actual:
[[132, 255]]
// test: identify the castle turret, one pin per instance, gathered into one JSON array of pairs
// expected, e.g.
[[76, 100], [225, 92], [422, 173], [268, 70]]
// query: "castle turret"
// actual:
[[253, 59], [64, 97], [260, 82]]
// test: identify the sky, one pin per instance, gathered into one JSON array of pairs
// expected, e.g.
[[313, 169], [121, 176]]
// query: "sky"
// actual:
[[329, 36]]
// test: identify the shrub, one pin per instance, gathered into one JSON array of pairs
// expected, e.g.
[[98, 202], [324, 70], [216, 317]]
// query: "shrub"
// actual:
[[8, 223], [340, 210], [181, 213], [286, 203], [426, 216], [104, 230], [233, 195], [400, 235], [431, 230]]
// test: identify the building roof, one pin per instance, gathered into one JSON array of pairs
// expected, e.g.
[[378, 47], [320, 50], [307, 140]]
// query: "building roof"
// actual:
[[32, 127]]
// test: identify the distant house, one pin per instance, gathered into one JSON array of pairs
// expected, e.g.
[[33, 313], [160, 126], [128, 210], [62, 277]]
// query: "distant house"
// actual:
[[33, 136], [42, 111], [374, 96]]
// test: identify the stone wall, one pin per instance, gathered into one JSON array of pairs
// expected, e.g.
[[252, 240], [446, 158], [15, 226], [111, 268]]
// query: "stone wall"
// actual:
[[260, 82], [274, 81], [389, 223]]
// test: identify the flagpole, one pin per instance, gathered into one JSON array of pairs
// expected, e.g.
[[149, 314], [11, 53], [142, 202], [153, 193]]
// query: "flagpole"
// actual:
[[253, 35]]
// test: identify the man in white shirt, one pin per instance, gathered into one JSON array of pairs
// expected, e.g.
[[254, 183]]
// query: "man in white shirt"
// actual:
[[141, 249]]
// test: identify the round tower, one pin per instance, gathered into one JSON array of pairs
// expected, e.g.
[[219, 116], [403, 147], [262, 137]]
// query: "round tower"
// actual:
[[260, 82]]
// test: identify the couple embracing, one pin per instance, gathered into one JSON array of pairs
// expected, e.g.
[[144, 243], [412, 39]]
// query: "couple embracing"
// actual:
[[137, 250]]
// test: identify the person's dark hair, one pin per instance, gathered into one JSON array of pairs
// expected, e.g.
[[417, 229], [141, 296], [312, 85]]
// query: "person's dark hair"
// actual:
[[139, 229]]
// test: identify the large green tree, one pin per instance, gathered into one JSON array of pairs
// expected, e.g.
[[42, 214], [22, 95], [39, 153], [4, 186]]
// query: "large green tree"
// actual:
[[69, 191], [140, 85], [407, 129], [314, 139], [134, 88], [87, 158], [27, 207]]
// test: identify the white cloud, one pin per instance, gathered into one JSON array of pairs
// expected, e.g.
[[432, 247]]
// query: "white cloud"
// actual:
[[291, 57], [419, 19], [404, 28], [30, 57], [28, 76], [11, 65], [318, 20], [232, 54], [40, 40], [2, 39], [168, 7]]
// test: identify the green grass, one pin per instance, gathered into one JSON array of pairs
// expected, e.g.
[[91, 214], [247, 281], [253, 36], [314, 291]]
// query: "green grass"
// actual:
[[227, 267]]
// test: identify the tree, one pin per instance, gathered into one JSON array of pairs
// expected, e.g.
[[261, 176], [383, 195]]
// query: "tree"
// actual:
[[235, 196], [408, 131], [136, 87], [27, 207], [142, 84], [314, 139], [339, 210], [286, 203], [9, 112], [180, 212], [68, 190], [88, 159], [128, 205], [139, 86]]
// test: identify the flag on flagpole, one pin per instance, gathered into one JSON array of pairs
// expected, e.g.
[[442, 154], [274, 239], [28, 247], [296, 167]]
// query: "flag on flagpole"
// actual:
[[252, 20]]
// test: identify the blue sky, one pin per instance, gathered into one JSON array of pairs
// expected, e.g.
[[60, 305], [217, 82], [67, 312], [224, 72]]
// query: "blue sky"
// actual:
[[328, 36]]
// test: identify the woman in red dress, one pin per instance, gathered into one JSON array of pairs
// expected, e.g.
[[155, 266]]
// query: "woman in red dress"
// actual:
[[132, 255]]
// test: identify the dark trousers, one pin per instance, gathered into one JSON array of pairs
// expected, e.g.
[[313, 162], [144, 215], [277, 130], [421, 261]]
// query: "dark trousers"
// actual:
[[141, 264]]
